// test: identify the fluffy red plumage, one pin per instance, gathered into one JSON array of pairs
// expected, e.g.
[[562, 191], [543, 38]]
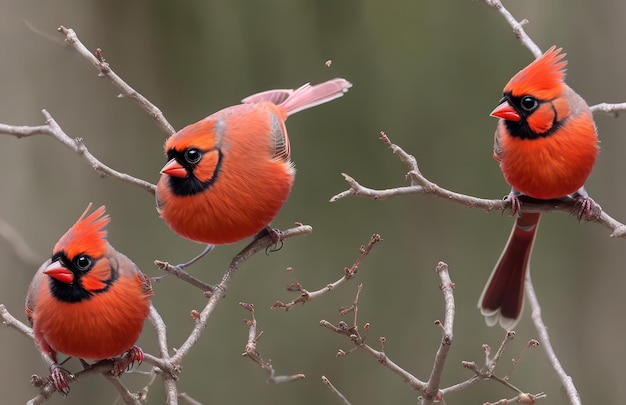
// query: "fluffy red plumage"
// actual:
[[229, 174], [546, 144], [88, 301]]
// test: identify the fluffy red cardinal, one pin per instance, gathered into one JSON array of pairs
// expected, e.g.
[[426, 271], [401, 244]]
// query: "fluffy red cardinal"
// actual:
[[546, 144], [229, 174], [88, 301]]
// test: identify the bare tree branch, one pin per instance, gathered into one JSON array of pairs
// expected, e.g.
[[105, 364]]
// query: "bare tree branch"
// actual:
[[76, 145], [169, 367], [335, 391], [202, 318], [188, 399], [12, 322], [487, 372], [544, 337], [422, 186], [518, 27], [349, 273], [252, 353], [518, 30], [431, 393], [128, 397], [353, 333], [610, 109], [104, 367], [98, 61]]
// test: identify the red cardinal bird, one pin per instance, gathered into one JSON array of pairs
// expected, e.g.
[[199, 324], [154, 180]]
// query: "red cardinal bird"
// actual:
[[546, 144], [88, 301], [229, 174]]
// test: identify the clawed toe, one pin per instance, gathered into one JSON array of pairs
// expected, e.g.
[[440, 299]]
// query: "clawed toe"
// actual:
[[127, 361], [516, 204], [587, 208], [61, 379]]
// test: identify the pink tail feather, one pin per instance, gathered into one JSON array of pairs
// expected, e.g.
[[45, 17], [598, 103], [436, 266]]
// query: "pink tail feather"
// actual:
[[306, 96]]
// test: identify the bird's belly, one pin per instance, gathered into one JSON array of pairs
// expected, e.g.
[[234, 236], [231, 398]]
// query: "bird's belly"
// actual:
[[234, 208], [547, 168], [93, 329]]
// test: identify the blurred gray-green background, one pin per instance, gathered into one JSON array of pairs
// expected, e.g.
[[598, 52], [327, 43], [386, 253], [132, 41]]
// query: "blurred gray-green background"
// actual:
[[427, 73]]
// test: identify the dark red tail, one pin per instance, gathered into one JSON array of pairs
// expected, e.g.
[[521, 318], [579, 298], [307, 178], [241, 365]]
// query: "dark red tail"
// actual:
[[503, 297]]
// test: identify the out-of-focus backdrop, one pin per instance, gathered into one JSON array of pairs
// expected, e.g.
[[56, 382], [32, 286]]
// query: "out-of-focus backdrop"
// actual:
[[427, 73]]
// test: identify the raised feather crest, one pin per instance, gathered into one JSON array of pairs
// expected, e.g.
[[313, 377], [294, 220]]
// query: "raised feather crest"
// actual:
[[86, 236], [543, 78]]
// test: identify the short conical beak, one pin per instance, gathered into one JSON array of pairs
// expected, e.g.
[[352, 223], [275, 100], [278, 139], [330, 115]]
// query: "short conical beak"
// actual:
[[506, 112], [174, 169], [59, 272]]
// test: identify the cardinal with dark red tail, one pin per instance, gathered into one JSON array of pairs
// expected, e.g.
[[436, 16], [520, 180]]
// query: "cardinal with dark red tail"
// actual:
[[88, 301], [546, 144], [228, 175]]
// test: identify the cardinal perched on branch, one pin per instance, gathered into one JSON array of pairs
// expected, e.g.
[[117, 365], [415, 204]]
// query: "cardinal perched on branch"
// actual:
[[88, 301], [546, 144], [229, 174]]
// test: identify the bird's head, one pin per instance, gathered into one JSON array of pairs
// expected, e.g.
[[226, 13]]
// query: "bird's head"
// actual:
[[533, 104], [79, 266], [194, 157]]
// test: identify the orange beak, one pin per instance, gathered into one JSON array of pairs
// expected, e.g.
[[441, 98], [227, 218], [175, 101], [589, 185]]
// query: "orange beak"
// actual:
[[506, 112], [174, 169], [59, 272]]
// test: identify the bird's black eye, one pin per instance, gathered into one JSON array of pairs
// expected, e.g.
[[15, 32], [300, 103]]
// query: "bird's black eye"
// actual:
[[529, 103], [82, 262], [192, 155]]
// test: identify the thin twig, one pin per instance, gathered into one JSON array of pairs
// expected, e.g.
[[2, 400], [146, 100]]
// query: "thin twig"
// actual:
[[76, 145], [202, 318], [544, 338], [610, 109], [335, 391], [420, 185], [163, 363], [252, 353], [128, 397], [432, 393], [518, 27], [518, 30], [104, 367], [487, 372], [188, 399], [353, 333], [349, 273], [98, 61], [12, 322], [617, 228], [161, 330], [169, 366]]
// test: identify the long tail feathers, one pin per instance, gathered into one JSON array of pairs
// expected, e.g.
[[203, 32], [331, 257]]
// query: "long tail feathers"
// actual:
[[306, 96], [503, 297]]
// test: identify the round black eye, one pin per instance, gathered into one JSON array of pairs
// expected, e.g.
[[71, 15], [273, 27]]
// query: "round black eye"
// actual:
[[82, 262], [193, 155], [529, 103]]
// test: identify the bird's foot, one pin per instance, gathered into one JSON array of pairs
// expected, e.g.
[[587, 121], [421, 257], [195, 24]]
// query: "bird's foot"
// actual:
[[125, 362], [276, 238], [585, 207], [61, 379], [516, 205]]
